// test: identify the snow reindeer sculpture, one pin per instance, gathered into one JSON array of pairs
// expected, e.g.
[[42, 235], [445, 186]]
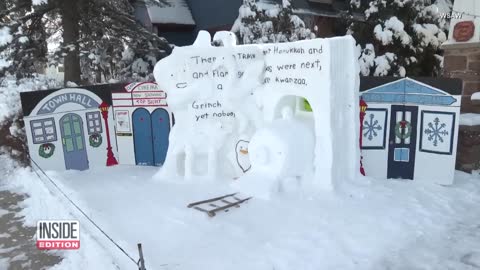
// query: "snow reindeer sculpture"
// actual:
[[246, 96], [199, 80]]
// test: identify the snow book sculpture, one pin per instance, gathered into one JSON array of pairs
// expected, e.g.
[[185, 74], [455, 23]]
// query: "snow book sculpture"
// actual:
[[240, 112]]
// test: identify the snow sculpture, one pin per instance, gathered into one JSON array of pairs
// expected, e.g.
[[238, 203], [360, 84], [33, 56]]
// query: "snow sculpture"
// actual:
[[203, 91], [276, 151], [239, 109]]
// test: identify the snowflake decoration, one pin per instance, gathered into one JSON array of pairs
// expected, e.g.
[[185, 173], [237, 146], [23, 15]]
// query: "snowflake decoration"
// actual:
[[371, 127], [436, 132]]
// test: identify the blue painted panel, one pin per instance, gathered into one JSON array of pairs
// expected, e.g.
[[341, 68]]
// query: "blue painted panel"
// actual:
[[142, 137], [416, 88], [395, 87], [406, 86], [73, 141], [409, 98], [402, 154], [160, 131]]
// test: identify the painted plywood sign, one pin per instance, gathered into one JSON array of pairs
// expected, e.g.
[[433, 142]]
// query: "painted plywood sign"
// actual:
[[66, 129], [143, 123], [410, 128]]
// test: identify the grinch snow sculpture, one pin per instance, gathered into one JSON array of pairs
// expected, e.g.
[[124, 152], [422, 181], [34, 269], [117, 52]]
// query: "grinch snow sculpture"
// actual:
[[248, 96]]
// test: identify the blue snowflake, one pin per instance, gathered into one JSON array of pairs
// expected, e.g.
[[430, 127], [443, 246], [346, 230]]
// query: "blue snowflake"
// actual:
[[371, 127], [436, 132]]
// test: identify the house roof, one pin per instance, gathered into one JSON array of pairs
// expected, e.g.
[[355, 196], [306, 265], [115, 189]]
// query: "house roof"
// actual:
[[449, 85], [306, 7], [176, 12], [30, 100], [423, 91]]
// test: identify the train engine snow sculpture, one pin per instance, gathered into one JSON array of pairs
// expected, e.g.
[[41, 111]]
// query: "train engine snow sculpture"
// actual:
[[240, 111]]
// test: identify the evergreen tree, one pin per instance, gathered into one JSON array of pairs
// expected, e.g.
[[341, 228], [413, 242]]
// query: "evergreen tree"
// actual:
[[96, 40], [400, 37], [279, 24], [23, 45]]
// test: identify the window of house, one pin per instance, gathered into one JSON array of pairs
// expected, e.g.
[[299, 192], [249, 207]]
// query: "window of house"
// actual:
[[43, 130], [401, 154], [94, 123]]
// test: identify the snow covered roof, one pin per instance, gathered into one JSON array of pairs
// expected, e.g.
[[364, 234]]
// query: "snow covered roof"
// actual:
[[304, 7], [469, 119], [449, 85], [177, 12]]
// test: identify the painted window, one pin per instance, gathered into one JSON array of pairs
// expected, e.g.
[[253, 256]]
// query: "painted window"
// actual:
[[94, 122], [437, 132], [374, 130], [43, 130], [401, 154]]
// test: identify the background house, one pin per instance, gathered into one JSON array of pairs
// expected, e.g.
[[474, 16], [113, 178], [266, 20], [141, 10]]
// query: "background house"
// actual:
[[180, 22]]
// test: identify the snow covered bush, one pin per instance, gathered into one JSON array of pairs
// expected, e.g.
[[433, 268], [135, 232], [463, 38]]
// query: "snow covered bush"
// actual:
[[12, 134], [400, 37], [278, 24]]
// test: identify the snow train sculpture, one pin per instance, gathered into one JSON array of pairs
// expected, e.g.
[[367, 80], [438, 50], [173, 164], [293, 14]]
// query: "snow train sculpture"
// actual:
[[239, 110]]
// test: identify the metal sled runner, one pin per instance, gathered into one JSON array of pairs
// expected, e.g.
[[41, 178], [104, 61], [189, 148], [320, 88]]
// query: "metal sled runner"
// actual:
[[214, 205]]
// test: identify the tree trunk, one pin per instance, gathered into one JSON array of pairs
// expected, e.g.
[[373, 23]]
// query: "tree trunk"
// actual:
[[3, 5], [71, 33]]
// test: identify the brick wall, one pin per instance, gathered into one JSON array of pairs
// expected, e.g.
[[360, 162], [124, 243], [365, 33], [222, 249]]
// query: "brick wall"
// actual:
[[464, 62]]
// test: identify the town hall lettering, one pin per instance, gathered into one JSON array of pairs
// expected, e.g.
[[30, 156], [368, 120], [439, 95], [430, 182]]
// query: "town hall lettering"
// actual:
[[51, 105]]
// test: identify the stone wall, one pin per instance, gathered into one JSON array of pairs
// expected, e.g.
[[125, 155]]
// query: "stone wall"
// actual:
[[463, 61], [468, 150]]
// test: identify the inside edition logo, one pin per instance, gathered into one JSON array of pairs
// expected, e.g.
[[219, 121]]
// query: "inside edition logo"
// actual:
[[58, 234]]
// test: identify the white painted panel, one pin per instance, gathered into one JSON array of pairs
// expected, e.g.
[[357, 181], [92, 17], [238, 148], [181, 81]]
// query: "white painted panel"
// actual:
[[122, 102], [124, 130], [408, 118], [434, 167], [398, 118], [121, 96], [436, 135], [375, 160]]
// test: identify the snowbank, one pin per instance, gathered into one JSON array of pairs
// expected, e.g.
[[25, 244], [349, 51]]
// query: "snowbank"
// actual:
[[366, 225], [44, 202], [469, 119], [10, 89]]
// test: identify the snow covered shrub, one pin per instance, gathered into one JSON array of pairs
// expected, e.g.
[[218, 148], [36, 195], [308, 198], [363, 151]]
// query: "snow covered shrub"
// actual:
[[400, 37], [12, 133], [278, 24]]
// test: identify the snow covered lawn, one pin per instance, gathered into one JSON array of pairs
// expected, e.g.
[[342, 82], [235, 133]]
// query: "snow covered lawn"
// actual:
[[370, 224]]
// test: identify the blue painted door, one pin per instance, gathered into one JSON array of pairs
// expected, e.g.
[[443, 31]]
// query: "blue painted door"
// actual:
[[160, 131], [73, 140], [142, 137], [403, 142]]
